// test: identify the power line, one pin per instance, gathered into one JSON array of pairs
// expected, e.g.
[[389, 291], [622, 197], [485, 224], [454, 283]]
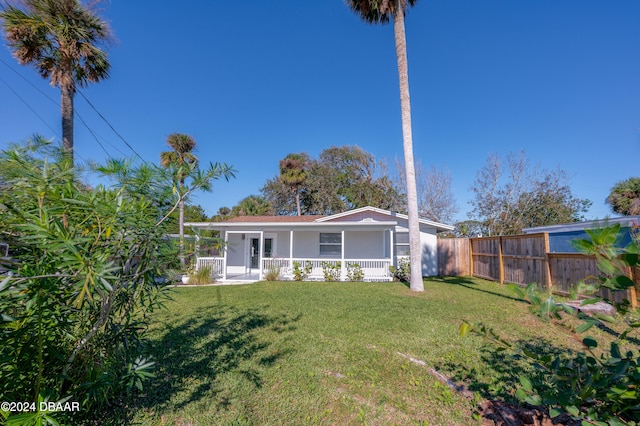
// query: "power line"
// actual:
[[29, 106], [112, 128], [75, 112], [31, 83]]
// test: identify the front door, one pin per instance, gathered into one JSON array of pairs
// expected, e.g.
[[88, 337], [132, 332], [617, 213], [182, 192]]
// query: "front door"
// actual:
[[254, 252]]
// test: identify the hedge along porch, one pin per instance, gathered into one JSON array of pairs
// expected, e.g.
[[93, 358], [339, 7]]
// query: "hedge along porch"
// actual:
[[372, 238]]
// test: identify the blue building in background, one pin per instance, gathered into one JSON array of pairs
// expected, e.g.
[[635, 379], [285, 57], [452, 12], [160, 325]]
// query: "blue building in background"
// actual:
[[560, 236]]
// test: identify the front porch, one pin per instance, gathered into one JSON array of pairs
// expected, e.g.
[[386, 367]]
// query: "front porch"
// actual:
[[372, 269], [299, 248]]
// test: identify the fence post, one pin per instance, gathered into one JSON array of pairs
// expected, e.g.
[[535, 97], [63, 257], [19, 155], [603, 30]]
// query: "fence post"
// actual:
[[547, 266], [500, 261], [470, 257]]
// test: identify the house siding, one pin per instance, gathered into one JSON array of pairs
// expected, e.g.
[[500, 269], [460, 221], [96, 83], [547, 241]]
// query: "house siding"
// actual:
[[428, 242], [367, 216], [364, 245], [306, 244]]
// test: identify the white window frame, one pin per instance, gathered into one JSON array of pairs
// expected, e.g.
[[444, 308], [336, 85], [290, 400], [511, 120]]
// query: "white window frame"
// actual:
[[400, 247], [274, 240], [321, 244]]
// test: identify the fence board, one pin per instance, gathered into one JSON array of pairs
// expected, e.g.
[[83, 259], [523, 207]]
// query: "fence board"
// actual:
[[523, 259], [486, 257], [453, 257]]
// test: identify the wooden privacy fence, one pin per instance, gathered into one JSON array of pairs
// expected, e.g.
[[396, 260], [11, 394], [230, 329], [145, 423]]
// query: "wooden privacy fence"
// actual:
[[522, 259]]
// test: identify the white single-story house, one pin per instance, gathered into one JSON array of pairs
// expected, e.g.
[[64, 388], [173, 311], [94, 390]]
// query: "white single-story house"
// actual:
[[370, 237]]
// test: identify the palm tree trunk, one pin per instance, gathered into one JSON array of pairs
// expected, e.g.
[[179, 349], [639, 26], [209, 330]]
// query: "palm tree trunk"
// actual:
[[298, 202], [181, 224], [407, 143], [66, 106]]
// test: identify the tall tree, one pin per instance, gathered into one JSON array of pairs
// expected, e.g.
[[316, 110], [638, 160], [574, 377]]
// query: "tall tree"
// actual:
[[380, 12], [60, 38], [513, 195], [293, 173], [182, 160], [356, 176], [624, 198], [343, 178], [435, 197]]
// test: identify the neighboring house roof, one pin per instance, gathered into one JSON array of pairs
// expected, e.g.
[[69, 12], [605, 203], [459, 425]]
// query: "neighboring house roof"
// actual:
[[364, 216], [624, 221]]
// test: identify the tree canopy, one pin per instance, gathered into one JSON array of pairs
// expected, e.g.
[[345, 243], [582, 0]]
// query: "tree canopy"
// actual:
[[513, 195], [624, 198], [342, 178]]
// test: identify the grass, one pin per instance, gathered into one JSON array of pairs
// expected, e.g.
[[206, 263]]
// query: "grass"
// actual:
[[291, 353]]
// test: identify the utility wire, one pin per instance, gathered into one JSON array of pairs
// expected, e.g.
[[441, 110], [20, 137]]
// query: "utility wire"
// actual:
[[29, 106], [112, 128], [30, 83], [75, 112]]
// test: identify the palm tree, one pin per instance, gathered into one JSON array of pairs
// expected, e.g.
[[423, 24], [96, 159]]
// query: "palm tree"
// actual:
[[59, 38], [380, 12], [253, 205], [293, 173], [624, 198], [182, 160]]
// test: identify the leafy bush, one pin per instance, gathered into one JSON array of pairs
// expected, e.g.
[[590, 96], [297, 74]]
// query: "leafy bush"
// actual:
[[403, 271], [597, 387], [331, 271], [354, 272], [75, 306], [301, 273]]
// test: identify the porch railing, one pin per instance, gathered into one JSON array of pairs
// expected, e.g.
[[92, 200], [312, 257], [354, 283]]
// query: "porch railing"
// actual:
[[373, 269], [215, 263]]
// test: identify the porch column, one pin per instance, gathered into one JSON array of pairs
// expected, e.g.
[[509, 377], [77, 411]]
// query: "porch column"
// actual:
[[224, 255], [196, 248], [291, 250], [342, 265], [260, 254], [391, 254]]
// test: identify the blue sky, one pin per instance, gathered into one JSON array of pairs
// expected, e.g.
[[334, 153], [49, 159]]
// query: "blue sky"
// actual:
[[253, 81]]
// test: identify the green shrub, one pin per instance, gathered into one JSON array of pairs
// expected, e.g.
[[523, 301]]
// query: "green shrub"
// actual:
[[354, 272], [331, 271], [301, 273], [86, 263], [403, 271]]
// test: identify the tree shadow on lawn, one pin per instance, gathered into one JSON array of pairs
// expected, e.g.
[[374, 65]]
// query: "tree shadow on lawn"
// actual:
[[501, 377], [473, 285], [193, 356]]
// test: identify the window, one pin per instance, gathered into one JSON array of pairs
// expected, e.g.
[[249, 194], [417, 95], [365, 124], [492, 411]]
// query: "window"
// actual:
[[330, 244], [268, 247], [401, 246]]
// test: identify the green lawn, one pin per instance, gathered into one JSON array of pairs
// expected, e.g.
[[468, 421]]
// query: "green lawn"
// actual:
[[289, 353]]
